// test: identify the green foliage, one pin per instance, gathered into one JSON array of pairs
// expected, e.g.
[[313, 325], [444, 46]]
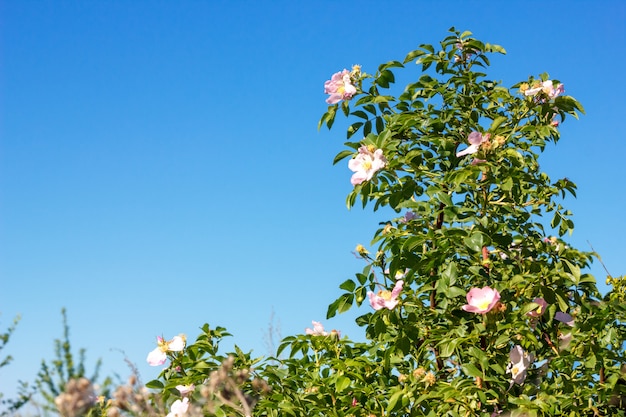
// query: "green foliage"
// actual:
[[231, 386], [24, 393], [66, 375], [4, 339], [463, 220]]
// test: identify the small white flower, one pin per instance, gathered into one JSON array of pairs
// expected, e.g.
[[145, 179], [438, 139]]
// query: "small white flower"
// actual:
[[518, 367]]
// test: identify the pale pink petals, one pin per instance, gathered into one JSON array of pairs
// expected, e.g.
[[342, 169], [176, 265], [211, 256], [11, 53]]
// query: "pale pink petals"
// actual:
[[386, 299], [179, 408], [157, 357], [532, 91], [317, 330], [176, 344], [185, 389], [481, 300], [564, 338], [475, 139], [408, 216], [468, 151], [547, 87], [551, 91], [564, 318], [519, 363], [367, 162], [339, 87]]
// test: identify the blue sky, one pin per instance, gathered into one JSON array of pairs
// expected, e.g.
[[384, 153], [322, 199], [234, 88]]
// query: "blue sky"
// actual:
[[160, 164]]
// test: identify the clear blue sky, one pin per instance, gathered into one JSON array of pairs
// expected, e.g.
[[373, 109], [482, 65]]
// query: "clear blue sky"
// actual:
[[160, 165]]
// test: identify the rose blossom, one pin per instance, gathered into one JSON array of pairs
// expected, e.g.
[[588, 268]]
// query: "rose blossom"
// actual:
[[547, 87], [158, 356], [408, 216], [185, 389], [481, 300], [339, 87], [518, 367], [368, 161], [564, 318], [179, 408], [475, 139], [317, 330], [386, 299]]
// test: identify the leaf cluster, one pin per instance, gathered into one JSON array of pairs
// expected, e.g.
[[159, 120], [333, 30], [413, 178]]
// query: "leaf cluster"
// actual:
[[463, 216]]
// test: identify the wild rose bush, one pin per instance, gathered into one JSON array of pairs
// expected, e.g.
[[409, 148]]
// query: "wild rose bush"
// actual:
[[472, 306]]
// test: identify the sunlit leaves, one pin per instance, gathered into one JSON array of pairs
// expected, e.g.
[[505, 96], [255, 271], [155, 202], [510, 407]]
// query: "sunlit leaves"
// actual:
[[455, 223]]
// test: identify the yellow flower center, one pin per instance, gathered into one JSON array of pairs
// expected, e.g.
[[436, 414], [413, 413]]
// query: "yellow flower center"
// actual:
[[384, 294], [366, 165], [484, 304]]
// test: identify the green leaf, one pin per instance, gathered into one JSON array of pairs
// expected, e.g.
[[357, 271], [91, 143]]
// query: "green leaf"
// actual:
[[361, 114], [590, 361], [342, 383], [348, 285], [449, 274], [447, 347], [342, 304], [342, 155], [328, 117], [475, 241], [413, 54], [353, 128], [497, 122], [385, 78], [495, 48], [155, 384], [471, 370], [393, 401], [346, 302]]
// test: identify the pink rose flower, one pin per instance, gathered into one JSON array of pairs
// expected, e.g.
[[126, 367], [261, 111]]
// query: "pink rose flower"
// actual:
[[185, 389], [518, 367], [339, 87], [368, 161], [481, 300], [179, 408], [176, 344], [475, 139], [564, 318], [386, 299], [158, 356], [408, 216], [317, 330], [547, 87]]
